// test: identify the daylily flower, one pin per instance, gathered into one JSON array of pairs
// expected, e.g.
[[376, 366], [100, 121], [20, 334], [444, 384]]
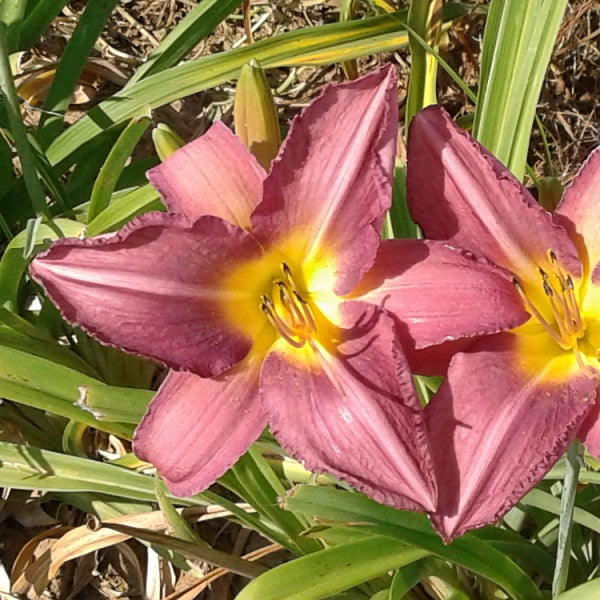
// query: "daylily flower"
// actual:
[[513, 402], [244, 290]]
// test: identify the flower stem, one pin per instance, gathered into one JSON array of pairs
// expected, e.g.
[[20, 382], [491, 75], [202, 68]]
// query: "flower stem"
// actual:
[[567, 505]]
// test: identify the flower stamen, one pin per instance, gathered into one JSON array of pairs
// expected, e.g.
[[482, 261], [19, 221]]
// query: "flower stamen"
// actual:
[[290, 314], [566, 325], [310, 321], [533, 310], [588, 370], [288, 303], [278, 323]]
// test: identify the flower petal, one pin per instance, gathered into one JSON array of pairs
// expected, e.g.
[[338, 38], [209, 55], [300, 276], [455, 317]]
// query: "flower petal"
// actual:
[[579, 212], [213, 175], [435, 360], [196, 428], [352, 411], [154, 288], [497, 431], [332, 181], [439, 294], [589, 432], [457, 191]]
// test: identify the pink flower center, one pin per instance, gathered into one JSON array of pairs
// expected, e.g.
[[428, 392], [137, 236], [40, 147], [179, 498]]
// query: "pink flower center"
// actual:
[[565, 324], [288, 312]]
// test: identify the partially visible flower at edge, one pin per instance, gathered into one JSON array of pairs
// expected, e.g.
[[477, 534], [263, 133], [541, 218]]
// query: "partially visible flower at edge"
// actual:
[[244, 290], [513, 402]]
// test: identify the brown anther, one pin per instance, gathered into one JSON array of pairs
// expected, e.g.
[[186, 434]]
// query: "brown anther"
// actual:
[[286, 270], [548, 289], [288, 312], [299, 297]]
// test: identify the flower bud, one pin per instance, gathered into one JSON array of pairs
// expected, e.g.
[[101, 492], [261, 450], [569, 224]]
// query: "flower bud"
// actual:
[[550, 191], [166, 141], [255, 115]]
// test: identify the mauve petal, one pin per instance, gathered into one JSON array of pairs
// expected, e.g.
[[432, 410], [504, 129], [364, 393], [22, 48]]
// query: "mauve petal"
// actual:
[[589, 432], [196, 428], [435, 360], [579, 212], [212, 175], [459, 192], [496, 431], [332, 181], [154, 288], [439, 294], [352, 411]]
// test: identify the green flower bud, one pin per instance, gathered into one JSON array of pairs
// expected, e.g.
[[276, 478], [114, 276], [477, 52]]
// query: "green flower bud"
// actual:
[[255, 115], [550, 191], [166, 141]]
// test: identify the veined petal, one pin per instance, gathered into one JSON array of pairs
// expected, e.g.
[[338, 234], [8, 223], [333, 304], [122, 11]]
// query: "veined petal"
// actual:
[[331, 184], [155, 288], [459, 192], [439, 294], [435, 360], [213, 175], [196, 428], [352, 411], [579, 213], [498, 430], [589, 432]]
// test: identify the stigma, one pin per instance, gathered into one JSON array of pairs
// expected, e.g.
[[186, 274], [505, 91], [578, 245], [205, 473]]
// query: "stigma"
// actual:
[[287, 311], [565, 325]]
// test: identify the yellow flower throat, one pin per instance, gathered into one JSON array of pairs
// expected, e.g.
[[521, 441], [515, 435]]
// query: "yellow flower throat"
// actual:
[[562, 320]]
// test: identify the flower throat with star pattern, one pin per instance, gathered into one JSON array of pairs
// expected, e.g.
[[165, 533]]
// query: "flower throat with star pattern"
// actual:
[[287, 311]]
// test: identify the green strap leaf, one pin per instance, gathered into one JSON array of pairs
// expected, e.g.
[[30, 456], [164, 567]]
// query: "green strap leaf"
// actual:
[[587, 591], [550, 503], [38, 20], [71, 65], [37, 196], [112, 168], [424, 19], [196, 25], [517, 45], [12, 13], [341, 506], [318, 45], [122, 210], [28, 468], [323, 573]]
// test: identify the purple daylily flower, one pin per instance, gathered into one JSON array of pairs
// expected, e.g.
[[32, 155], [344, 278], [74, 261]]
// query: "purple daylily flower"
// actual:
[[273, 299], [512, 402]]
